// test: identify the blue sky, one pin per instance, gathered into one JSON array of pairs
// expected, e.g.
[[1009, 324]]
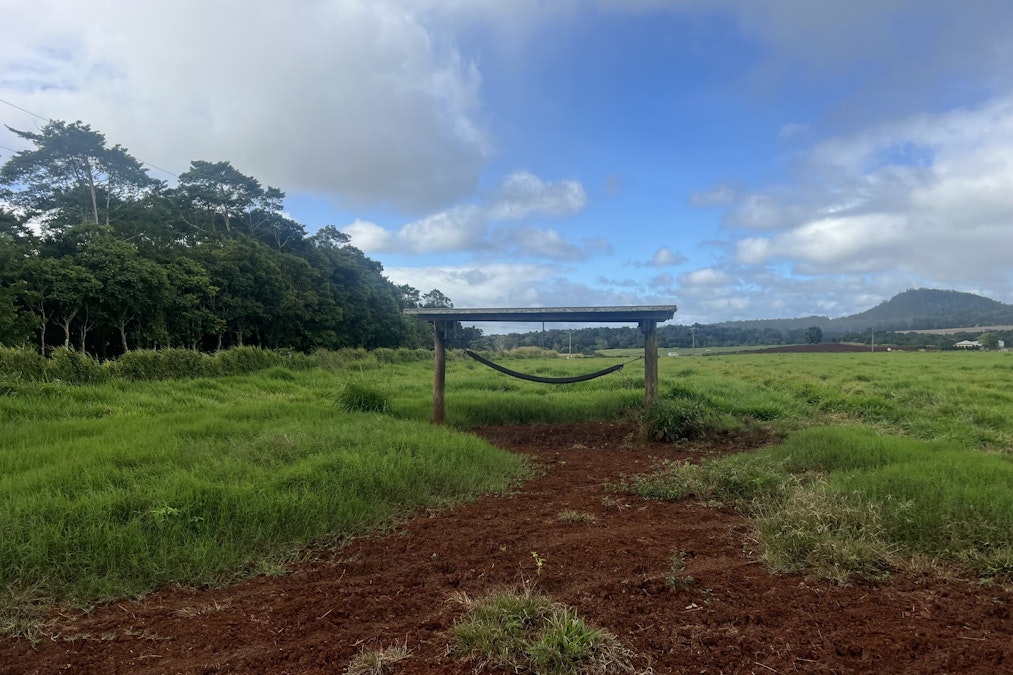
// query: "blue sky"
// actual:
[[739, 159]]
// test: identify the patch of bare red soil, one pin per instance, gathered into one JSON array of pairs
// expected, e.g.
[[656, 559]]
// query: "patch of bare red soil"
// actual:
[[400, 587]]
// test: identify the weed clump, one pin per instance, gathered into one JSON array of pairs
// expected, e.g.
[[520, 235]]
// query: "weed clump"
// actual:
[[523, 631], [378, 661], [680, 420], [360, 398]]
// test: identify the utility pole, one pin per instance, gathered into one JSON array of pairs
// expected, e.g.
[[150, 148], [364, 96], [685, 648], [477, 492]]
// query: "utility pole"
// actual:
[[872, 331]]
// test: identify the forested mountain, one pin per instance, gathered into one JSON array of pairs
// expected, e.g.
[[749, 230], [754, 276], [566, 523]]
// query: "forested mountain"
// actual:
[[927, 308], [98, 256], [914, 309]]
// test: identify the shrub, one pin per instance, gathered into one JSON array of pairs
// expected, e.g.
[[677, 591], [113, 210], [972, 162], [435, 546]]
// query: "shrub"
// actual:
[[73, 367], [678, 420], [360, 398], [21, 365]]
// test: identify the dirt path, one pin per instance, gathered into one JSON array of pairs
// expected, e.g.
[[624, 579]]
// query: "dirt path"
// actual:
[[400, 587]]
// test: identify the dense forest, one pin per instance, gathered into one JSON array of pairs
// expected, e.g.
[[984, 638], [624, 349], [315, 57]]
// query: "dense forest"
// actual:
[[97, 256]]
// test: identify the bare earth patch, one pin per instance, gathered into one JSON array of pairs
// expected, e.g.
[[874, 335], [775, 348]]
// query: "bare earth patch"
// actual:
[[613, 564]]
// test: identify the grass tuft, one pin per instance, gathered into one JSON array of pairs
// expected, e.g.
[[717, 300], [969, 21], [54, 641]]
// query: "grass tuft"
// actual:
[[360, 398], [523, 631], [378, 661]]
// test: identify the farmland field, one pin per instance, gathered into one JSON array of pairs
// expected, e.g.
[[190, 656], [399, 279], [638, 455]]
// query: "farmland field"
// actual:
[[686, 583]]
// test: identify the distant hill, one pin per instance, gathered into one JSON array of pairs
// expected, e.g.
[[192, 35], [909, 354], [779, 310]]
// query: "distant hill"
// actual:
[[914, 309]]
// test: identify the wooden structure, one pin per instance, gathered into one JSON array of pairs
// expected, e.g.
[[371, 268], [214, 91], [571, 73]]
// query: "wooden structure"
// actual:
[[647, 317]]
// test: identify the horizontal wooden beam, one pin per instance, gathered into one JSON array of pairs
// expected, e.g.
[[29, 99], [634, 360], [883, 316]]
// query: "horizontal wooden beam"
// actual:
[[556, 314]]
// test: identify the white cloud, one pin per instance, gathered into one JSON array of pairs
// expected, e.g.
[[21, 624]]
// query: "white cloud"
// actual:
[[927, 196], [523, 193], [489, 226], [665, 257], [362, 100], [485, 285], [707, 276], [367, 235], [456, 229]]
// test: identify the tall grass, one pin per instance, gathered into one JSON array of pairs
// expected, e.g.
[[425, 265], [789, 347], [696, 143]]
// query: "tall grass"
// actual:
[[116, 489], [847, 501]]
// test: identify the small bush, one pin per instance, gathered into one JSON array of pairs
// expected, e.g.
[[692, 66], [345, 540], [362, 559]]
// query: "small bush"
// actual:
[[360, 398], [21, 365], [66, 365], [677, 421]]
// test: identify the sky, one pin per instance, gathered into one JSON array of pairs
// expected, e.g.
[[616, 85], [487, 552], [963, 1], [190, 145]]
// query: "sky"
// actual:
[[742, 160]]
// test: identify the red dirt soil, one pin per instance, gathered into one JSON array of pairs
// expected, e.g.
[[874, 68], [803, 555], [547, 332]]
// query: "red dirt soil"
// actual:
[[399, 587]]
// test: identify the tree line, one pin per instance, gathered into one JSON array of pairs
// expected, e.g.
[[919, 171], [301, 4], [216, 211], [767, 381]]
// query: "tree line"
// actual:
[[98, 256]]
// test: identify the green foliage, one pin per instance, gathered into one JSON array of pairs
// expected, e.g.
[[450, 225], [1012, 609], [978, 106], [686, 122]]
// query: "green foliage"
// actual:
[[245, 360], [524, 631], [126, 263], [676, 576], [166, 364], [679, 420], [21, 365], [989, 340], [66, 365], [357, 397]]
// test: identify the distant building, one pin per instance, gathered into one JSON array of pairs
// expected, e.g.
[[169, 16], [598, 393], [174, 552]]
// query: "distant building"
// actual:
[[968, 344]]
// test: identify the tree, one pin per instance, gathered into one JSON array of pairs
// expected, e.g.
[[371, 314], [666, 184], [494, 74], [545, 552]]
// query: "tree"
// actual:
[[989, 340], [217, 190], [134, 288], [436, 298], [71, 174], [813, 335], [189, 315], [72, 288], [15, 247]]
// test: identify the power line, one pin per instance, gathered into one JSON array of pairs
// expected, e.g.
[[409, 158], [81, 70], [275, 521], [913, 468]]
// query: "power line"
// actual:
[[43, 117]]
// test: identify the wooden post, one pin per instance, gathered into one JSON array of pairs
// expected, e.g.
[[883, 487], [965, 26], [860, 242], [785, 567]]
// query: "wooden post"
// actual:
[[650, 331], [439, 370]]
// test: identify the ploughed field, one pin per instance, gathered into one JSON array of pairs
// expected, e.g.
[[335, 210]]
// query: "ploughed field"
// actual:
[[567, 534]]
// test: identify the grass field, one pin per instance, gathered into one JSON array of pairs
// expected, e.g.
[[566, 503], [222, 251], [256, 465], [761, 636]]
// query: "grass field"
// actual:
[[116, 488]]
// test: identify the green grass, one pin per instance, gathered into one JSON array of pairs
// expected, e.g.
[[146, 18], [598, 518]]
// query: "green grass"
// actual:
[[109, 490], [960, 397], [848, 501], [115, 487]]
